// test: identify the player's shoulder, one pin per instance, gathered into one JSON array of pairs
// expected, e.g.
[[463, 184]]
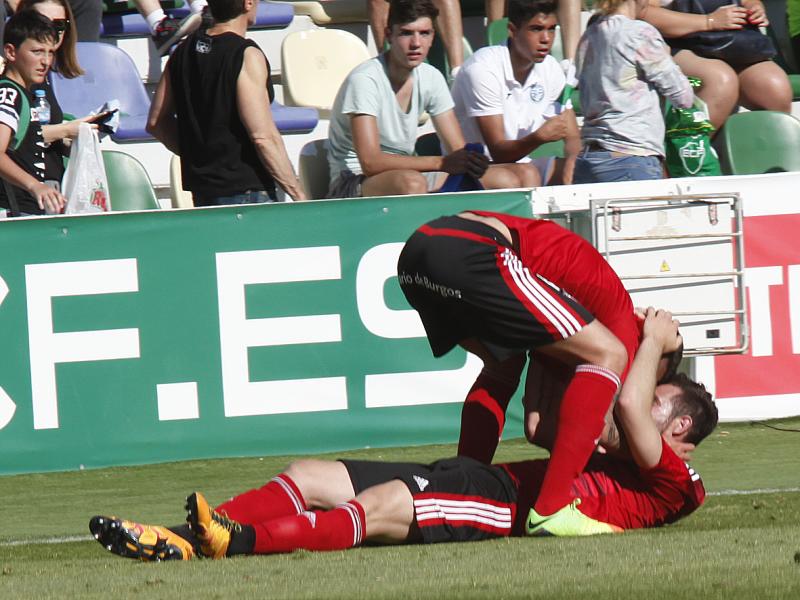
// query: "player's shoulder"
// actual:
[[12, 95]]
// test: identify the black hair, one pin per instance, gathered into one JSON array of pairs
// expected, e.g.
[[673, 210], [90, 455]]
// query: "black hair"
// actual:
[[522, 11], [673, 362], [29, 25], [408, 11], [225, 10], [695, 401]]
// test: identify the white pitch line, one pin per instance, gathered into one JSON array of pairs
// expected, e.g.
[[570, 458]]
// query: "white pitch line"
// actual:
[[84, 538], [48, 541], [791, 490]]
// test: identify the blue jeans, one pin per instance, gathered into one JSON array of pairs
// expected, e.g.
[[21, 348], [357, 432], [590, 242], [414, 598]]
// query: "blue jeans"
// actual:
[[593, 166], [252, 197]]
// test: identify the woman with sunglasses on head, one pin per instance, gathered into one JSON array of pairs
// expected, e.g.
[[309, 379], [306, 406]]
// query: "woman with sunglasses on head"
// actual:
[[58, 133]]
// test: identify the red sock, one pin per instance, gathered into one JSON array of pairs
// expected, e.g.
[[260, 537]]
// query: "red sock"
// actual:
[[280, 497], [336, 529], [580, 423], [483, 415]]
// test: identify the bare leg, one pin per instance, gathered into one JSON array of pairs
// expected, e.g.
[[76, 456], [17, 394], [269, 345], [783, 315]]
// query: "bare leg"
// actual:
[[322, 483], [145, 7], [569, 19], [495, 10], [503, 177], [451, 29], [765, 86], [378, 14], [398, 182], [389, 510], [720, 88]]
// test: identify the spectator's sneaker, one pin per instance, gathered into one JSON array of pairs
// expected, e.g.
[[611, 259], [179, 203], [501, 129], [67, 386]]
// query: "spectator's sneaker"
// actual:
[[213, 530], [134, 540], [568, 521], [170, 31]]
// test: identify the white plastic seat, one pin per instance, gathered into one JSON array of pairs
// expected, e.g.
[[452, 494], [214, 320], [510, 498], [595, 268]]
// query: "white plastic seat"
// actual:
[[315, 63], [313, 169], [180, 198]]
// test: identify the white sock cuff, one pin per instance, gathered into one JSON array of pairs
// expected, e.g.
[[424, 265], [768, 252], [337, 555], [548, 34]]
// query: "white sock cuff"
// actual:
[[600, 371], [154, 18]]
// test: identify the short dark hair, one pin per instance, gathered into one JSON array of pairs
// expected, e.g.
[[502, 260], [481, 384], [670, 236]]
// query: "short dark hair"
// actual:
[[522, 11], [29, 25], [408, 11], [695, 401], [673, 362], [225, 10]]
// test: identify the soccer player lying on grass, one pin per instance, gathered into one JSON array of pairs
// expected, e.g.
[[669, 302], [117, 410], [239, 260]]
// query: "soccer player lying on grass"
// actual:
[[334, 505]]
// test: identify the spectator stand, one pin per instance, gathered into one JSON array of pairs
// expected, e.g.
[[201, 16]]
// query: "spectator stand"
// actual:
[[125, 28], [110, 73]]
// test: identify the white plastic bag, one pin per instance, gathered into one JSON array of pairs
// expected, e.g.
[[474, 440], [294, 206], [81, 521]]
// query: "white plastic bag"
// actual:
[[85, 185]]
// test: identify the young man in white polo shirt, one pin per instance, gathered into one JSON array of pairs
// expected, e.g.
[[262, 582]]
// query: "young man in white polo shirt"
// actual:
[[507, 96], [375, 117]]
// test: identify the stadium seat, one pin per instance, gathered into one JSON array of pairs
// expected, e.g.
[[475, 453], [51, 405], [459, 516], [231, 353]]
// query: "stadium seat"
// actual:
[[428, 145], [794, 79], [325, 12], [438, 56], [316, 62], [128, 184], [294, 119], [124, 23], [549, 149], [497, 32], [179, 197], [313, 169], [760, 141], [108, 73]]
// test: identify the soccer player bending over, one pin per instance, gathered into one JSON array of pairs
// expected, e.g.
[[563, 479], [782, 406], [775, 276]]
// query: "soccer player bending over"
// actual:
[[334, 505]]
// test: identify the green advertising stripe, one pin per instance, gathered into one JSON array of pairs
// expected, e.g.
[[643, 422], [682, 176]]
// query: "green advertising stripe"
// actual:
[[145, 337]]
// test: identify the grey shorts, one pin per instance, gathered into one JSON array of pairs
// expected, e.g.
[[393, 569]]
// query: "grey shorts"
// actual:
[[348, 184]]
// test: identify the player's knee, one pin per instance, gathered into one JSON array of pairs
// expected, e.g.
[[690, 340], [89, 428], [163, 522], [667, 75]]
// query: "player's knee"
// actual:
[[614, 356], [302, 470], [414, 183]]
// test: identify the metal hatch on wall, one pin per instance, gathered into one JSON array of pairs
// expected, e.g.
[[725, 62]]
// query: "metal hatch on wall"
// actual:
[[683, 253]]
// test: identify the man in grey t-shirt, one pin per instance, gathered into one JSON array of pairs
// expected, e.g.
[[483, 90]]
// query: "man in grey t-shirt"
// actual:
[[375, 116]]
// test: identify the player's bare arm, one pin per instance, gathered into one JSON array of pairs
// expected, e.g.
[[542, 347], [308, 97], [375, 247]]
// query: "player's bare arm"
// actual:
[[252, 101], [636, 397]]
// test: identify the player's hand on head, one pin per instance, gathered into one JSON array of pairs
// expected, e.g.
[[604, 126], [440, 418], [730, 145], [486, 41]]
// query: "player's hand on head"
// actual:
[[660, 326]]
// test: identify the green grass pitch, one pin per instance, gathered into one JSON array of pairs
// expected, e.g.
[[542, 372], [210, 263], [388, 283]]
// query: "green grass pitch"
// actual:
[[743, 543]]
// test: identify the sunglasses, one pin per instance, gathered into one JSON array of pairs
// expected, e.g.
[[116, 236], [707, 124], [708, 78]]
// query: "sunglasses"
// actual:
[[60, 25]]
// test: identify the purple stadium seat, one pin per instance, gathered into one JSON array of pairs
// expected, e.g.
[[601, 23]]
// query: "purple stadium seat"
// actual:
[[109, 73], [270, 15], [294, 119]]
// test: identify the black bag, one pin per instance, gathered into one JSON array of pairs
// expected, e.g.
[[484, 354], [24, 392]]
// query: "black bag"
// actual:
[[738, 47]]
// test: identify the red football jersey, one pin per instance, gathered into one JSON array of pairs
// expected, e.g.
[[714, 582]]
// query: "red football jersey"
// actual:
[[617, 491], [571, 263]]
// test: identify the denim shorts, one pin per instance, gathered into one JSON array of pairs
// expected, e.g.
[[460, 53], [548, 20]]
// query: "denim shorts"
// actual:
[[597, 166], [250, 197]]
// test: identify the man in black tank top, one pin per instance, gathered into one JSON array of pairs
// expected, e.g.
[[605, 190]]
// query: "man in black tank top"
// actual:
[[212, 108]]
